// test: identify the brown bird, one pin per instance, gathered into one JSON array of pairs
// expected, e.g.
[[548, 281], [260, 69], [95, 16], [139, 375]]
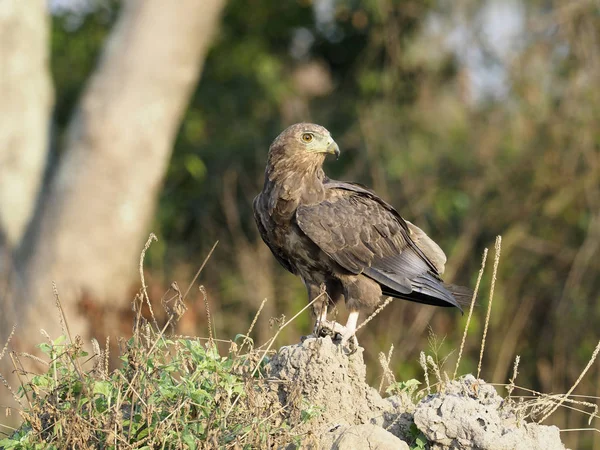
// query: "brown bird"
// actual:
[[341, 236]]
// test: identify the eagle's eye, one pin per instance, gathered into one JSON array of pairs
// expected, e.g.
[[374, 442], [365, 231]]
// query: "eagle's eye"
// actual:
[[307, 137]]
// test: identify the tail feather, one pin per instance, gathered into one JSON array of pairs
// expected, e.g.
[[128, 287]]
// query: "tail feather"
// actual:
[[462, 294]]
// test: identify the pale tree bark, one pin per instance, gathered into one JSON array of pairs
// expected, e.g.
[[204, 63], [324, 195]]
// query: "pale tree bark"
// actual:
[[25, 103], [88, 234]]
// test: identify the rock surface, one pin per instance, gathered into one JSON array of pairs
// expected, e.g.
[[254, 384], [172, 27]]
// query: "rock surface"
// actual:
[[469, 414], [316, 378], [317, 372], [365, 436]]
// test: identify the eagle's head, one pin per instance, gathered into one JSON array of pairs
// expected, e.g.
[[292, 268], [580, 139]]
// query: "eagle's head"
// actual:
[[304, 141]]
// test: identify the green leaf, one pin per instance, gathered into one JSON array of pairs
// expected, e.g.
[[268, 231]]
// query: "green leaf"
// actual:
[[102, 387], [77, 387], [190, 441], [45, 348], [43, 381], [8, 443], [408, 386], [239, 336]]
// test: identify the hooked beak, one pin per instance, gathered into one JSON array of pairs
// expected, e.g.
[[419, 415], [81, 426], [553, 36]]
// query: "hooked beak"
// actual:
[[333, 149]]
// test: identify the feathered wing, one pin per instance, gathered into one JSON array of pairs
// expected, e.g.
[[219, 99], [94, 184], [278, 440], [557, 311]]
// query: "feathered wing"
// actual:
[[430, 249], [363, 234]]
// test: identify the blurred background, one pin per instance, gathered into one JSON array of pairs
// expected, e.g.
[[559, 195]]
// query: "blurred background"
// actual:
[[473, 118]]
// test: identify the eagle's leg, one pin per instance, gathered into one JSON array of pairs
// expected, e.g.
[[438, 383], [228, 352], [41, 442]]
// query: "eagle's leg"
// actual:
[[350, 329], [360, 292], [331, 291], [321, 319], [324, 327]]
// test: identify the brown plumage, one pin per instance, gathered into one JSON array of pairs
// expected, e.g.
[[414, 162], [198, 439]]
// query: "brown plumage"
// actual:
[[341, 235]]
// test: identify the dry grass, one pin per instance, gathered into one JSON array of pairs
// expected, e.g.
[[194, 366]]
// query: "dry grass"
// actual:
[[170, 392], [534, 405], [179, 392]]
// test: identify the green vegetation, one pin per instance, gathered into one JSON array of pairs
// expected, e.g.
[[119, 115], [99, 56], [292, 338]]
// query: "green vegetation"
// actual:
[[175, 392], [170, 393], [399, 102]]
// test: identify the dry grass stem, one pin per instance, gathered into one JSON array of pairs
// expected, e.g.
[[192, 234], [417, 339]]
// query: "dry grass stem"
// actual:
[[566, 396], [423, 363], [464, 337], [581, 429], [18, 371], [7, 426], [107, 357], [10, 389], [538, 403], [208, 318], [151, 238], [270, 344], [436, 370], [46, 335], [200, 269], [383, 364], [200, 338], [394, 422], [511, 387], [377, 311], [497, 251], [10, 336], [98, 359], [387, 375], [173, 305], [64, 325], [247, 336], [37, 359], [272, 340]]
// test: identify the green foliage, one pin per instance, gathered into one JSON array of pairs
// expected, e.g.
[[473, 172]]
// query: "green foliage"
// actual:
[[168, 393], [310, 412], [419, 440], [401, 106], [409, 387]]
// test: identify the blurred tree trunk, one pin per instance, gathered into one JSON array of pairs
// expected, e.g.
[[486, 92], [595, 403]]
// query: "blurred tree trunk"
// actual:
[[93, 221], [25, 102]]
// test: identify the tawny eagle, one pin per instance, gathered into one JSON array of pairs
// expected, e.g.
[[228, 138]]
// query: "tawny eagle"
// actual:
[[341, 236]]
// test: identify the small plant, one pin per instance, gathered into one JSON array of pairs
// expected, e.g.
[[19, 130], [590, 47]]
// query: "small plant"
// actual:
[[310, 412], [409, 387], [169, 392], [419, 441]]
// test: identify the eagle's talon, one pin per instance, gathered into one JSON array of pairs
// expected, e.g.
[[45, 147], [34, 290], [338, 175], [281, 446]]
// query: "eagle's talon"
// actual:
[[350, 350], [324, 332], [349, 343], [327, 328]]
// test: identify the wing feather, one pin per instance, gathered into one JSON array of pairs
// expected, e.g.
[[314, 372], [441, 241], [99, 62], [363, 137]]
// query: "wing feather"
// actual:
[[363, 234]]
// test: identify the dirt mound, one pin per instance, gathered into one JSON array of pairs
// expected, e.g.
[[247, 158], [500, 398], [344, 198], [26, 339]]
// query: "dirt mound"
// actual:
[[469, 414], [316, 380]]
